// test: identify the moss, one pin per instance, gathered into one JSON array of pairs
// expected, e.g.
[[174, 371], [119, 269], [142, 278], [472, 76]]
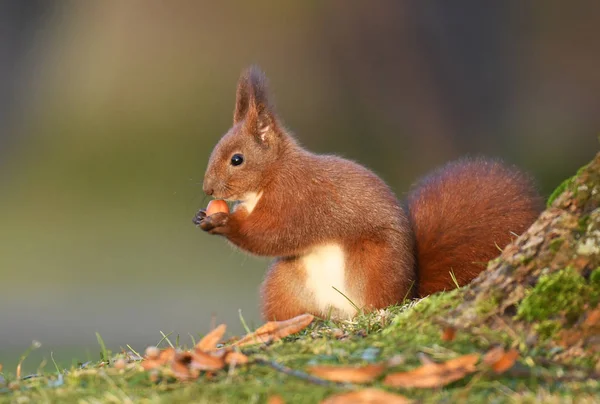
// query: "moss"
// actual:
[[563, 293], [487, 303], [425, 309], [565, 185], [582, 223], [595, 279], [594, 287], [559, 190], [555, 244], [547, 328]]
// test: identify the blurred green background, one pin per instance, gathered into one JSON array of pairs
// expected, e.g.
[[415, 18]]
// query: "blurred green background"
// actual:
[[109, 110]]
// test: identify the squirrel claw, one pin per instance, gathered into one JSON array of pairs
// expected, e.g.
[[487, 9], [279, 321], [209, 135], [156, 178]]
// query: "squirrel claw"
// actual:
[[215, 223], [200, 216]]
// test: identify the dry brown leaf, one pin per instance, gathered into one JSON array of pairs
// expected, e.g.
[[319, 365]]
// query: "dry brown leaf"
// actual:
[[493, 355], [205, 361], [449, 334], [181, 371], [148, 364], [167, 355], [236, 357], [435, 374], [569, 338], [593, 318], [366, 396], [276, 330], [210, 340], [348, 374], [156, 358], [275, 400], [500, 360]]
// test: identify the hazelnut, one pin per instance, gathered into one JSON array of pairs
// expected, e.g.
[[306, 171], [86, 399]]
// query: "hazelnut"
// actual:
[[215, 206]]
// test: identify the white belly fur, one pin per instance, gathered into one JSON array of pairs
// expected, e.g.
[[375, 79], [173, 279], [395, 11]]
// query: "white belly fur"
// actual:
[[249, 201], [325, 269]]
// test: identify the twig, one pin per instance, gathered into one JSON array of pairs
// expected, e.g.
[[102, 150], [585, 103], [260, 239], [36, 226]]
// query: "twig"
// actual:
[[31, 376], [299, 374]]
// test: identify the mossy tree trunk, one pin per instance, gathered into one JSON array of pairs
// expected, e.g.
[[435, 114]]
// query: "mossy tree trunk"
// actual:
[[545, 286]]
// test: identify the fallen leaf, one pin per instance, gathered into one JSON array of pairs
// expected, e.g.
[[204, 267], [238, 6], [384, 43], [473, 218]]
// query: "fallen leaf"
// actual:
[[348, 374], [205, 361], [448, 334], [593, 318], [275, 400], [493, 355], [181, 371], [149, 364], [167, 355], [210, 340], [366, 396], [236, 357], [500, 360], [569, 338], [434, 374], [155, 359], [276, 330]]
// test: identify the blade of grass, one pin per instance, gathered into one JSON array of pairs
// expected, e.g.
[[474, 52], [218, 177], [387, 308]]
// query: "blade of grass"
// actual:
[[55, 364], [408, 291], [453, 276], [347, 298], [244, 322], [133, 350], [166, 338], [193, 339], [34, 345], [104, 352]]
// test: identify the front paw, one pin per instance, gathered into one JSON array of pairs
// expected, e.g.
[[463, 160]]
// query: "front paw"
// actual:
[[200, 216], [215, 223]]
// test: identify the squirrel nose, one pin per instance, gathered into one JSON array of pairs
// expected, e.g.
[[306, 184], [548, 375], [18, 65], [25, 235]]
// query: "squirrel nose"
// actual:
[[208, 188]]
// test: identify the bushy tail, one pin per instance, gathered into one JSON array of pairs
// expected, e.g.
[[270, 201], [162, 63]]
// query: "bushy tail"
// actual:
[[463, 214]]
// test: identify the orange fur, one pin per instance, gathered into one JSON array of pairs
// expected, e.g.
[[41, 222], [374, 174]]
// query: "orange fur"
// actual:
[[462, 214]]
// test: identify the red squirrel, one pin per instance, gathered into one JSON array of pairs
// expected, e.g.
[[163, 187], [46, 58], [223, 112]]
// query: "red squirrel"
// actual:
[[340, 237]]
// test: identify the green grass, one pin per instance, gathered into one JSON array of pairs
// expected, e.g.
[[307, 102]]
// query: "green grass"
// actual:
[[405, 332]]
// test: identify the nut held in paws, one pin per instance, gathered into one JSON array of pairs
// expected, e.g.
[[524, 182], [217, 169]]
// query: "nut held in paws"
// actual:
[[215, 206]]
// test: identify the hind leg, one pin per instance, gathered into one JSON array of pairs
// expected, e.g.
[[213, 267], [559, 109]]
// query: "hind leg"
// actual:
[[380, 271], [283, 293]]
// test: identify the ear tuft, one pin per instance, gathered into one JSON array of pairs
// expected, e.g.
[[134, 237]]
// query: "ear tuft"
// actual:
[[252, 102]]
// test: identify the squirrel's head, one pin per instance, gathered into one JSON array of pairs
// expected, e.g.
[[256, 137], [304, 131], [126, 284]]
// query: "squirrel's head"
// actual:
[[240, 163]]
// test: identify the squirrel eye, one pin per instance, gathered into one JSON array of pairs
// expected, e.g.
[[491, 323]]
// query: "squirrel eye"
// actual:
[[237, 159]]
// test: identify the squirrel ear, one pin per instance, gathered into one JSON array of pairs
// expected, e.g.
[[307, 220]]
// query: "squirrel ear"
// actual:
[[252, 103]]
